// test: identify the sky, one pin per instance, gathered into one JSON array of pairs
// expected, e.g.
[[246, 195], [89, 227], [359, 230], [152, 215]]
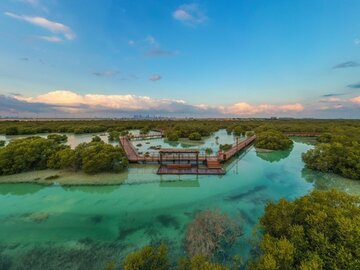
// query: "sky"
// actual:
[[235, 58]]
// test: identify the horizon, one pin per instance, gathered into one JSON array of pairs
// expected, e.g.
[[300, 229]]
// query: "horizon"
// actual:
[[184, 59]]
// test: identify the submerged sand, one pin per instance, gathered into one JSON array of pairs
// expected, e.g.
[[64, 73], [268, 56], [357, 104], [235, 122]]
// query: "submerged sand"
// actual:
[[65, 178]]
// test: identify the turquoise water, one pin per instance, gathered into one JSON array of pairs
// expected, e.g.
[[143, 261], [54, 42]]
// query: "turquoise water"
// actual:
[[86, 227], [213, 142], [73, 139]]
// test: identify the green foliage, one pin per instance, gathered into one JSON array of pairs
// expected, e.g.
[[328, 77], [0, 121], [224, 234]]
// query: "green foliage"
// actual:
[[249, 133], [208, 151], [93, 157], [96, 139], [239, 130], [337, 154], [225, 147], [318, 231], [11, 131], [36, 153], [198, 263], [27, 154], [272, 140], [114, 135], [2, 143], [172, 135], [58, 138], [195, 136], [147, 258]]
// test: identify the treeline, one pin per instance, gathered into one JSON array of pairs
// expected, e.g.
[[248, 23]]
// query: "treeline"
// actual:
[[317, 231], [183, 127], [36, 153]]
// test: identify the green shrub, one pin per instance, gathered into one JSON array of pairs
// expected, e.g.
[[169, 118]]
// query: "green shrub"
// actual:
[[147, 258], [195, 136], [317, 231], [272, 140]]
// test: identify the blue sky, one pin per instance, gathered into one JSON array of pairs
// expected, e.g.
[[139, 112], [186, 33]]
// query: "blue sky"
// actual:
[[245, 58]]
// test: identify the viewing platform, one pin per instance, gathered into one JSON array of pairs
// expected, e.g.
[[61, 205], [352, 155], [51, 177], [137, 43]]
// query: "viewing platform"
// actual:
[[183, 161]]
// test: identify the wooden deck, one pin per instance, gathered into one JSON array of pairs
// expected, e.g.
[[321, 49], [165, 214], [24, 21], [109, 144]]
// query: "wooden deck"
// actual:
[[223, 157], [199, 171], [213, 163]]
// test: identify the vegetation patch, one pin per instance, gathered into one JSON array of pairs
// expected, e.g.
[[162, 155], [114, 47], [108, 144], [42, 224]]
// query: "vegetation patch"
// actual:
[[317, 231], [272, 140], [211, 233], [336, 153]]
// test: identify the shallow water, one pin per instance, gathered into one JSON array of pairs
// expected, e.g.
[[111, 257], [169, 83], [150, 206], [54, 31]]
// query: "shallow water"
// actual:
[[74, 223], [73, 139], [213, 142]]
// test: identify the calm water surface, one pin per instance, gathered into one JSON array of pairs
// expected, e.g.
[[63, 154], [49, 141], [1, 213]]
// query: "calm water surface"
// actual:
[[86, 227]]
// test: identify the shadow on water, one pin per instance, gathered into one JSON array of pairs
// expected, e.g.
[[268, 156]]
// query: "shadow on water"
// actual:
[[83, 254], [94, 189], [242, 195], [274, 156], [20, 189], [327, 181], [168, 221]]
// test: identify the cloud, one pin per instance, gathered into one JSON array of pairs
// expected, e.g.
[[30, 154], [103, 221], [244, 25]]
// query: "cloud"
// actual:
[[356, 100], [53, 27], [347, 64], [24, 59], [53, 39], [190, 14], [131, 42], [154, 49], [330, 99], [332, 95], [97, 105], [243, 108], [357, 41], [155, 77], [354, 86], [157, 52], [107, 73]]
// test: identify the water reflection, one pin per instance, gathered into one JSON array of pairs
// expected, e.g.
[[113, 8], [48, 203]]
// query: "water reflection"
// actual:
[[19, 189], [92, 189], [327, 181], [274, 156]]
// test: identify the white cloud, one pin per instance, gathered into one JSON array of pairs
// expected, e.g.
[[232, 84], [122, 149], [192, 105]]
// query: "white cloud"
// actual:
[[123, 102], [190, 14], [54, 27], [66, 101], [53, 39], [155, 77]]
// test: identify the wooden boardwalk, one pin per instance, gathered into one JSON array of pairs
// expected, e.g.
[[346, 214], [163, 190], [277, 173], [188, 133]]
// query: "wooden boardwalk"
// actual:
[[193, 170], [134, 157], [225, 156]]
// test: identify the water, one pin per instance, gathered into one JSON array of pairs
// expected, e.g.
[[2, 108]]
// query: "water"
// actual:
[[73, 139], [85, 227]]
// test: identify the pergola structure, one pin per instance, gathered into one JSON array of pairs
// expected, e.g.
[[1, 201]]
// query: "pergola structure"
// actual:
[[179, 155]]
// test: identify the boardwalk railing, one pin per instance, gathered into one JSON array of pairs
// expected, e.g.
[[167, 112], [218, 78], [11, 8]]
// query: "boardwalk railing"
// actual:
[[134, 156], [237, 147]]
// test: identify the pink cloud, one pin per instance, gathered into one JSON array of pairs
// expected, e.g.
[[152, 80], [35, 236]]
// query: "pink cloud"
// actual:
[[244, 108], [356, 100]]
